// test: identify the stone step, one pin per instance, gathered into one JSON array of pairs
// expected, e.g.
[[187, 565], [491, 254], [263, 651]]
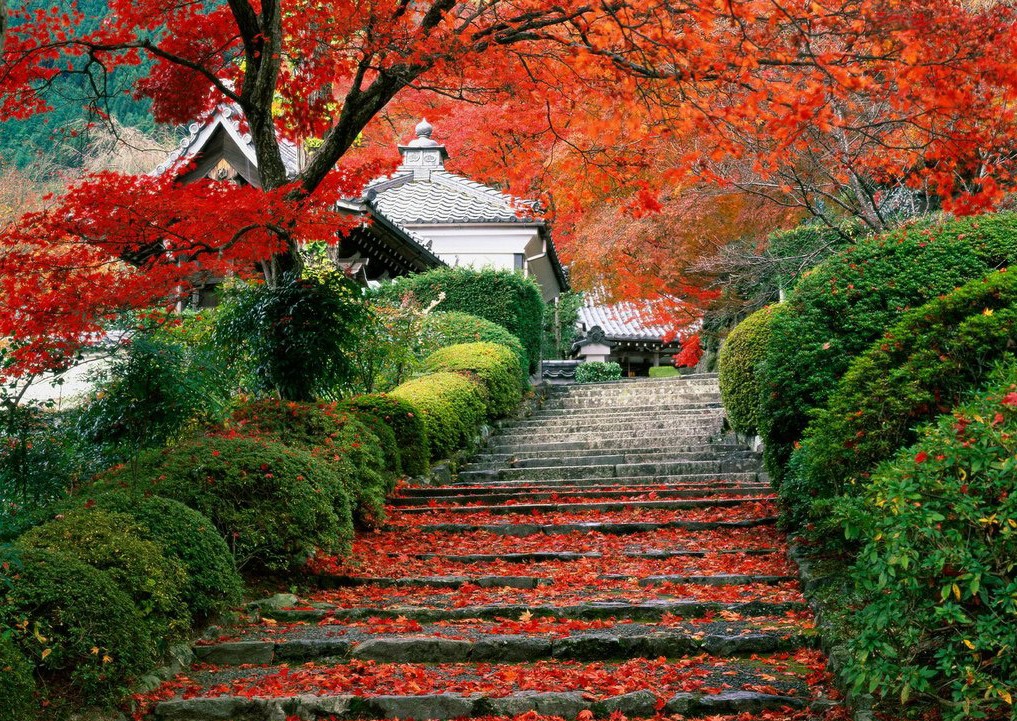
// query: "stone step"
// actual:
[[545, 556], [555, 454], [480, 495], [531, 582], [552, 529], [698, 420], [744, 465], [616, 411], [587, 481], [622, 642], [606, 506], [659, 441], [673, 435], [648, 404], [602, 459], [651, 610]]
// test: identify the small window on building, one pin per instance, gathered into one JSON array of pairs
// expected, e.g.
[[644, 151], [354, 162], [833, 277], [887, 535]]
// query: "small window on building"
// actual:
[[520, 261]]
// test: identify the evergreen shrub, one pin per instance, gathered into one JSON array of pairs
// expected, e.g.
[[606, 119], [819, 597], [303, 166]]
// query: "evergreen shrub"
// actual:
[[922, 367], [936, 618], [406, 423], [509, 299], [664, 372], [213, 583], [740, 356], [442, 329], [452, 407], [597, 372], [17, 683], [840, 307], [274, 504], [114, 543], [76, 624], [494, 365], [331, 434]]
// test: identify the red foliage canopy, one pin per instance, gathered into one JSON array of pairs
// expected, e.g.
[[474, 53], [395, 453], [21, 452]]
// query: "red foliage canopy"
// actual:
[[577, 101]]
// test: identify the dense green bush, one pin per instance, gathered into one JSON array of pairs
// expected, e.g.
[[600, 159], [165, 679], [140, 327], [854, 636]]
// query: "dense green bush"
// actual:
[[664, 372], [114, 543], [295, 338], [274, 504], [404, 420], [331, 434], [442, 329], [921, 367], [560, 324], [76, 623], [597, 372], [17, 684], [213, 584], [937, 612], [494, 365], [452, 407], [503, 297], [744, 350], [838, 308]]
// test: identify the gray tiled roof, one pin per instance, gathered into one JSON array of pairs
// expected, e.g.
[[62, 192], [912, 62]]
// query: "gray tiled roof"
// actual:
[[444, 198], [621, 321]]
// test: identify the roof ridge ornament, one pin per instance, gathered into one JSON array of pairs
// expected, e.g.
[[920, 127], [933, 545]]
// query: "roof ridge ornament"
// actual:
[[423, 154]]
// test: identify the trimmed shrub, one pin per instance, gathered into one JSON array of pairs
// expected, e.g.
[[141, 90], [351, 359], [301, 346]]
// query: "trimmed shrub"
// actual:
[[17, 683], [406, 423], [451, 405], [938, 597], [509, 299], [442, 329], [213, 584], [840, 307], [334, 435], [597, 372], [75, 623], [274, 504], [740, 356], [922, 367], [494, 365], [664, 372], [114, 543]]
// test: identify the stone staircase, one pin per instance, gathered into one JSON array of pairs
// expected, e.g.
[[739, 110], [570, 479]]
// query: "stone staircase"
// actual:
[[611, 553]]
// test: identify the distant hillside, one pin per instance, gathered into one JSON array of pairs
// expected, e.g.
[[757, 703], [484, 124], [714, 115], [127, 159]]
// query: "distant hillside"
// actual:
[[53, 135]]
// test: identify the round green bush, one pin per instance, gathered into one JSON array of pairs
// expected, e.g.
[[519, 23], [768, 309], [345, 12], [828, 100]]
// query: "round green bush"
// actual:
[[840, 307], [76, 624], [17, 683], [440, 330], [740, 355], [664, 372], [494, 365], [936, 618], [922, 367], [507, 298], [115, 543], [213, 583], [274, 504], [598, 372], [451, 405], [404, 420], [334, 435]]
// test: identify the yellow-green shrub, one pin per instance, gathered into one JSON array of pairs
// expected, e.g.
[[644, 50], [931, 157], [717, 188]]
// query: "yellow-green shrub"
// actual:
[[494, 365], [405, 422], [451, 405]]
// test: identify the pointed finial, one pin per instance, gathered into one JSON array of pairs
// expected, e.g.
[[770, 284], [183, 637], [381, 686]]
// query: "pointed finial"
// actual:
[[424, 129]]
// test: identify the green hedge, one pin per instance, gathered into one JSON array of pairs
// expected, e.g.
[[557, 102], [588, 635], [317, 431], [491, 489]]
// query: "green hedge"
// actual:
[[114, 543], [213, 583], [923, 366], [274, 504], [503, 297], [840, 307], [664, 372], [740, 356], [494, 365], [597, 372], [17, 683], [440, 330], [334, 435], [404, 420], [76, 624], [936, 615], [452, 407]]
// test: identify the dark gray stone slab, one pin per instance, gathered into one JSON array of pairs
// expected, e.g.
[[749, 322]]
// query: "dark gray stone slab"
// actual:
[[236, 652], [413, 649]]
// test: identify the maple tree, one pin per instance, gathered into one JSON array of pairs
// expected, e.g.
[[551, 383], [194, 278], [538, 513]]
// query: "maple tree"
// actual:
[[571, 101]]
